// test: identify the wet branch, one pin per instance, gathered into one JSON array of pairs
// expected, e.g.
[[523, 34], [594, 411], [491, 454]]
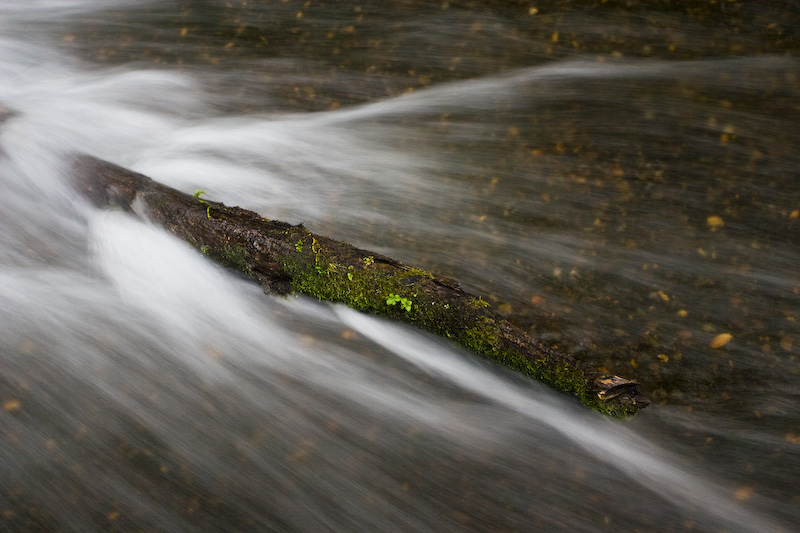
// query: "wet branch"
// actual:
[[287, 258]]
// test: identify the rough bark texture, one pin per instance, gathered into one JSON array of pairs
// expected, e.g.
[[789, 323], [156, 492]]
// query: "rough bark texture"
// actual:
[[285, 258]]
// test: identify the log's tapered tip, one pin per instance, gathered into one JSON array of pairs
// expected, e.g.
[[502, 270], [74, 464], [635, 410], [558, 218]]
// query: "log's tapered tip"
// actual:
[[105, 184], [622, 392]]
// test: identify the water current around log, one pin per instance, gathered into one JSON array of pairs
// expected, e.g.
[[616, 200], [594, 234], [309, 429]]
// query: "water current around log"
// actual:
[[620, 181]]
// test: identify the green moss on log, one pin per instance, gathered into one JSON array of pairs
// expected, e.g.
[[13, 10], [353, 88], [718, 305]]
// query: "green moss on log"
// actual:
[[364, 286], [284, 258]]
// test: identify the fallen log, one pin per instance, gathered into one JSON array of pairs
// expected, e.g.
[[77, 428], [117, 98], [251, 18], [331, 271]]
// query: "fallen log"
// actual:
[[284, 258]]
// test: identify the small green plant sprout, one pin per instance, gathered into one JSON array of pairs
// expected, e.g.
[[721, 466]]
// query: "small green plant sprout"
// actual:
[[299, 245], [369, 260], [394, 299], [350, 276], [197, 194], [479, 302]]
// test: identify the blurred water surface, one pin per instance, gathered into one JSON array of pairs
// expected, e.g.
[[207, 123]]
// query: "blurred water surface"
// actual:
[[621, 180]]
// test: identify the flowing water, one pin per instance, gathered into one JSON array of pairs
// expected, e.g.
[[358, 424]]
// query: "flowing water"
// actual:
[[621, 181]]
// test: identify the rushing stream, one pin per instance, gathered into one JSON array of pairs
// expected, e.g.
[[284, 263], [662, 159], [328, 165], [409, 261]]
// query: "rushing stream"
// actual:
[[621, 181]]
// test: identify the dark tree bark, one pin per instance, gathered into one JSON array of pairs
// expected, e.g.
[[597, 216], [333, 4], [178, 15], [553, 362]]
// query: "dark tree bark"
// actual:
[[284, 258]]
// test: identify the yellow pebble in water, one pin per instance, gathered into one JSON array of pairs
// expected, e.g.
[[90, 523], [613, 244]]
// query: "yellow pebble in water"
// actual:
[[714, 222], [721, 340], [743, 493]]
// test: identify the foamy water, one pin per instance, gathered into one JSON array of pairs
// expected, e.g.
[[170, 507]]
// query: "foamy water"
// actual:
[[145, 388]]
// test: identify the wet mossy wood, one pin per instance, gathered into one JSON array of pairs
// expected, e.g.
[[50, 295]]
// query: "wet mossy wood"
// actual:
[[284, 258]]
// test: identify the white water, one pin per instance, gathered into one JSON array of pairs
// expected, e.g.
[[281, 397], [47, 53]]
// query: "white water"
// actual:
[[147, 388]]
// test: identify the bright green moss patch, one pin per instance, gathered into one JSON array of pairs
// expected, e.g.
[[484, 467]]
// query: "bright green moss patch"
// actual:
[[318, 276], [481, 337]]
